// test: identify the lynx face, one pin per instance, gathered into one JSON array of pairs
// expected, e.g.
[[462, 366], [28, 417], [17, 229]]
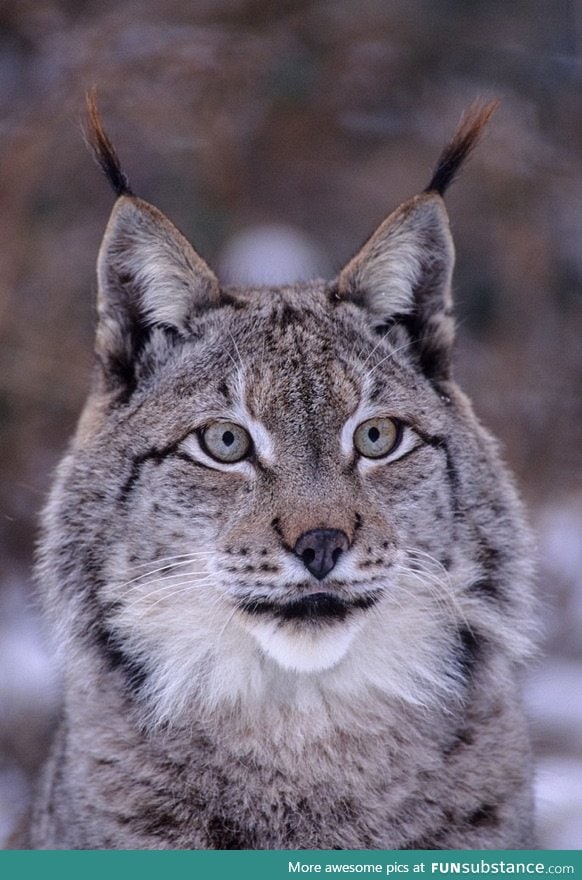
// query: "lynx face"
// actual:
[[280, 494], [294, 489]]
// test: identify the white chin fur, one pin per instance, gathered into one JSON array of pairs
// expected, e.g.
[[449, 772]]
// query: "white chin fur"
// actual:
[[311, 651]]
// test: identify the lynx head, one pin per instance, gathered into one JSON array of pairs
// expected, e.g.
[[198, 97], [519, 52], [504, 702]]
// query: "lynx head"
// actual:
[[279, 489]]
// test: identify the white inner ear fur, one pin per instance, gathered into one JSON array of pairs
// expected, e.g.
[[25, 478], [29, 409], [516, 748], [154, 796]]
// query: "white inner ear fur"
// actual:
[[143, 248], [401, 256], [391, 274]]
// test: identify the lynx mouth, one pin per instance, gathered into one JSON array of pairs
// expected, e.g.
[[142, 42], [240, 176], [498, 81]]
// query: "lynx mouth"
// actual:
[[317, 607]]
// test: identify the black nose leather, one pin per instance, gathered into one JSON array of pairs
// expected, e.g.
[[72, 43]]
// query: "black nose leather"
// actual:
[[320, 549]]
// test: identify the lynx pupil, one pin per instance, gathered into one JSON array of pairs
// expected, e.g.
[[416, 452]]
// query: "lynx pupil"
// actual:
[[373, 434], [228, 438]]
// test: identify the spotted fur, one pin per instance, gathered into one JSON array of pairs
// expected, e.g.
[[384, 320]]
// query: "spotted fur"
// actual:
[[221, 691]]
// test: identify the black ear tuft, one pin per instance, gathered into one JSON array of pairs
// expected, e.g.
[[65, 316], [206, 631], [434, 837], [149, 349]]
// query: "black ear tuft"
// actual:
[[464, 140], [102, 148]]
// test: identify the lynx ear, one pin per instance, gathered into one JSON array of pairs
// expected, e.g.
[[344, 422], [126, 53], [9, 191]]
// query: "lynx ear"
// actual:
[[149, 277], [403, 275]]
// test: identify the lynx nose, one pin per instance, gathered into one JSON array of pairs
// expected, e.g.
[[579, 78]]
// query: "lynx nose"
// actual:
[[320, 549]]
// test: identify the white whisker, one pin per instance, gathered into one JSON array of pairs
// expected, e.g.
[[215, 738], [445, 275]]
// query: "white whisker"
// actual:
[[236, 348], [167, 583], [162, 560], [166, 594]]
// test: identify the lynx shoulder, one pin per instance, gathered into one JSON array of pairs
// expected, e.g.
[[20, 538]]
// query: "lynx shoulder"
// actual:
[[286, 568]]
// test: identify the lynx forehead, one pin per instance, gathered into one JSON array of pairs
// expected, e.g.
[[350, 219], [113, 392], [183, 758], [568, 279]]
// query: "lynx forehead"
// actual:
[[288, 571]]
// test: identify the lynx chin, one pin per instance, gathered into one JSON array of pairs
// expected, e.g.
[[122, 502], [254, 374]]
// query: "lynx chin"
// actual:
[[286, 569]]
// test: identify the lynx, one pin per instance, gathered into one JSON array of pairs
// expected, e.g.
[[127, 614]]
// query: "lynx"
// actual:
[[286, 569]]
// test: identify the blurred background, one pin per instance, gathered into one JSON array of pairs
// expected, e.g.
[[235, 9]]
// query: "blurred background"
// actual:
[[277, 136]]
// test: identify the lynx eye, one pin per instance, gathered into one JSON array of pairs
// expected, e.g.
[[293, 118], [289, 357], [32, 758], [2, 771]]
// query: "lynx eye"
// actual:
[[226, 441], [375, 438]]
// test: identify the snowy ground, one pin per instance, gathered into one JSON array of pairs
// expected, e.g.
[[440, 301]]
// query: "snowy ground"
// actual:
[[554, 689], [554, 698]]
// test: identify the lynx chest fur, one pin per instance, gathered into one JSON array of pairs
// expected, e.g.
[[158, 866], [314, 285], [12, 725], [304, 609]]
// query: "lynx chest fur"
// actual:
[[285, 566]]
